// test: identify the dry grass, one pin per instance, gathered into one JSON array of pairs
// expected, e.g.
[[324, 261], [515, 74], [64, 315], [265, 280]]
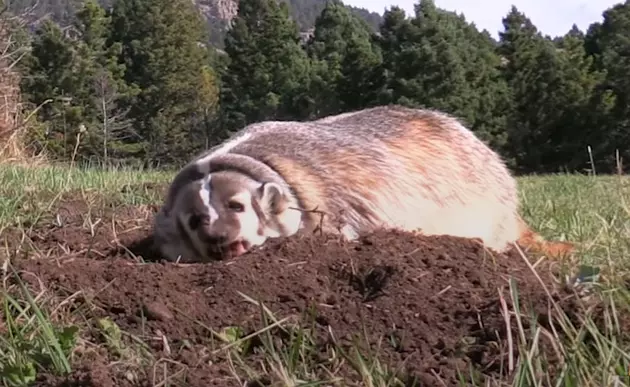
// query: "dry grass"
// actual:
[[13, 123]]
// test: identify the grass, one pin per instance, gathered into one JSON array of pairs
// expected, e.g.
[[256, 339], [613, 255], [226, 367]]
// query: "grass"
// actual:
[[592, 211], [27, 192]]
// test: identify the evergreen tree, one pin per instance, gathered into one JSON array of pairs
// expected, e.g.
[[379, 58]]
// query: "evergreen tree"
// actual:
[[109, 132], [551, 89], [397, 45], [585, 106], [360, 75], [488, 107], [83, 81], [50, 83], [608, 43], [438, 60], [268, 72], [142, 83], [344, 59], [165, 59]]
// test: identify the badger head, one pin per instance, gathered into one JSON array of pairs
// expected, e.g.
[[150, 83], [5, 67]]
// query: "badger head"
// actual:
[[224, 214]]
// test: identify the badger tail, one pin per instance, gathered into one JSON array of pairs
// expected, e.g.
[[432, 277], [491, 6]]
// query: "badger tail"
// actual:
[[529, 240]]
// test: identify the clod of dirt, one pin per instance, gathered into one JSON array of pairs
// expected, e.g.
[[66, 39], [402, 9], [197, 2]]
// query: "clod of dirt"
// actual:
[[431, 306], [157, 311]]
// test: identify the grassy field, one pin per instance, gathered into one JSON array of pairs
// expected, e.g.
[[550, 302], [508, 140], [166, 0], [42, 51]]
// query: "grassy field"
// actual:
[[592, 211]]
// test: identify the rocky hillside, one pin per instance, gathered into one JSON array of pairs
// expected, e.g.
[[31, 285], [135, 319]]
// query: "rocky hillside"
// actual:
[[218, 13]]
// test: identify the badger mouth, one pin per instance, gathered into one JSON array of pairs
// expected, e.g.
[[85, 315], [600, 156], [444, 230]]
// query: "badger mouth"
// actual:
[[211, 247], [232, 249], [237, 248]]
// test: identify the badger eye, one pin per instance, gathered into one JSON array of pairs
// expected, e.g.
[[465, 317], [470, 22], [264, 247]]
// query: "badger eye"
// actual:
[[194, 222], [236, 206]]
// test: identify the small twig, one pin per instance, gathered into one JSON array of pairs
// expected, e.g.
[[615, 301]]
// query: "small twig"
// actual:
[[506, 316], [442, 291], [321, 214]]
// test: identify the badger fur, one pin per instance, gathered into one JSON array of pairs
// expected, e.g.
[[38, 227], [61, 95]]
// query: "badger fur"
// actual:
[[388, 166]]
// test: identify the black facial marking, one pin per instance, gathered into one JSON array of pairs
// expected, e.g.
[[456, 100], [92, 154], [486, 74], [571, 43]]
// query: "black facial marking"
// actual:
[[197, 220], [184, 234], [215, 240], [194, 222], [186, 175]]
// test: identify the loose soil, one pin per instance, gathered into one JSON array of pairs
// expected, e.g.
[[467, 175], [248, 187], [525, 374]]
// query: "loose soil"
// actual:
[[431, 309]]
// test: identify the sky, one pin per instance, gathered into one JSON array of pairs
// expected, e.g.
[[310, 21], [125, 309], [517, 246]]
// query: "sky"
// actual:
[[551, 17]]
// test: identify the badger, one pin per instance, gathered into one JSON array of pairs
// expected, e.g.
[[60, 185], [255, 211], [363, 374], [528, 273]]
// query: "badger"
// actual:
[[393, 167]]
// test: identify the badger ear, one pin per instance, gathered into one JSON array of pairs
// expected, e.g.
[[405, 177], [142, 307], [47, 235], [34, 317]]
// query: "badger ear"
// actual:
[[272, 197]]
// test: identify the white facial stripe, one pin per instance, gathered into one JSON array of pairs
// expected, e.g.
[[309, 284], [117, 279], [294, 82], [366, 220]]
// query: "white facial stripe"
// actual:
[[243, 197], [248, 220], [202, 163], [204, 194]]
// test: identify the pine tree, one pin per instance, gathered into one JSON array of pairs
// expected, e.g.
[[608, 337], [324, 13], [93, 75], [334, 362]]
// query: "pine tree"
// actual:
[[268, 73], [50, 84], [397, 44], [608, 43], [437, 60], [551, 88], [345, 61], [360, 75], [109, 131], [166, 60]]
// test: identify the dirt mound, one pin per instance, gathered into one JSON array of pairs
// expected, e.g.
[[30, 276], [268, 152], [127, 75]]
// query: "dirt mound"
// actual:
[[430, 309]]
